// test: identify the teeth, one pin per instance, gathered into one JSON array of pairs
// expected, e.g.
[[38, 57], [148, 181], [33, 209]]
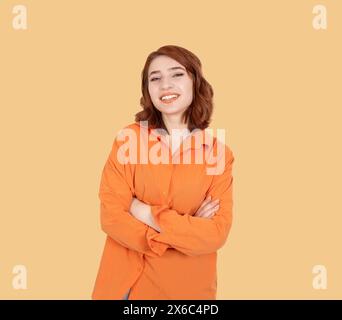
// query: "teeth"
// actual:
[[169, 97]]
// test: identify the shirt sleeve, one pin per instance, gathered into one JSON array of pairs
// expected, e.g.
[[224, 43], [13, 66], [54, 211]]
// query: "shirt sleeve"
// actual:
[[193, 235], [116, 193]]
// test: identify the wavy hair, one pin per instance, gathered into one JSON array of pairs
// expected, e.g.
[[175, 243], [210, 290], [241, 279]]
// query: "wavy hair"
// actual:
[[198, 114]]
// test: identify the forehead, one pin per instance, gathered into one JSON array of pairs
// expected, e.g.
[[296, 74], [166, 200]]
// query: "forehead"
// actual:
[[163, 63]]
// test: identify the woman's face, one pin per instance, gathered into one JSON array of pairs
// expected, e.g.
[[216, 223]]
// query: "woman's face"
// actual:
[[167, 77]]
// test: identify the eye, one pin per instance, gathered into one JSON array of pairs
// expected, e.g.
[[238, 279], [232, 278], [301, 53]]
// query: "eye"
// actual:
[[175, 75]]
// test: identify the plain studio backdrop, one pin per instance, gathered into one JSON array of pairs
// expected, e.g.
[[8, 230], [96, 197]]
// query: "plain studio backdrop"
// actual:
[[71, 80]]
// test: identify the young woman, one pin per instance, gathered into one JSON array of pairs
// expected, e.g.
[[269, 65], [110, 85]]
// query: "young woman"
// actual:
[[166, 218]]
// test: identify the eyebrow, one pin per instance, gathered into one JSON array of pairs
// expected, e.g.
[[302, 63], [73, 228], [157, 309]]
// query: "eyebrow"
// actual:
[[172, 68]]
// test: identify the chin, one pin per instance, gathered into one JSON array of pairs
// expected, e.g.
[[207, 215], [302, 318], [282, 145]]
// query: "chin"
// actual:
[[167, 112], [170, 109]]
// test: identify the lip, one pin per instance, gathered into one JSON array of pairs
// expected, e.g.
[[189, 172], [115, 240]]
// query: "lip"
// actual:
[[168, 102], [169, 94]]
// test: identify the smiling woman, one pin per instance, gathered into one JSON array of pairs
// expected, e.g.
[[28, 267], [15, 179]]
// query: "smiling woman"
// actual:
[[165, 222], [175, 93]]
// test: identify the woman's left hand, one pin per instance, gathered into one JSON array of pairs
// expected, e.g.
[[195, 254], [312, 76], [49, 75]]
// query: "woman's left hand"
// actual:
[[137, 207], [142, 211]]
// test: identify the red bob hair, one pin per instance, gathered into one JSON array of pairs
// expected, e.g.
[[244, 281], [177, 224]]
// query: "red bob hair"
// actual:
[[198, 114]]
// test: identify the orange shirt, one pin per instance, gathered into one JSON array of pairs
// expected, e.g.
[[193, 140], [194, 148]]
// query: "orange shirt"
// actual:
[[179, 262]]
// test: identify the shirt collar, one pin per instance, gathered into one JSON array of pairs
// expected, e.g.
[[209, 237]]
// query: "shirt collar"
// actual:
[[206, 138]]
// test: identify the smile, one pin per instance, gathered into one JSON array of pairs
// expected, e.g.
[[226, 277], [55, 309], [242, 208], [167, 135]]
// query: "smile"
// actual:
[[169, 99]]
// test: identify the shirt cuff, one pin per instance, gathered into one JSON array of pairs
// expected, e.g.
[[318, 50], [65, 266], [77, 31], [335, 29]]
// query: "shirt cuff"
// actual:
[[159, 213], [157, 247]]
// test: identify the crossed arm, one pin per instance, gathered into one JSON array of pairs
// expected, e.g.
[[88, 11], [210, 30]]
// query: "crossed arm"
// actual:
[[152, 229], [143, 211]]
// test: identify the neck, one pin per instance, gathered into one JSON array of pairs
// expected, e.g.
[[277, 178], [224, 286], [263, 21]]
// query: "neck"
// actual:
[[173, 122]]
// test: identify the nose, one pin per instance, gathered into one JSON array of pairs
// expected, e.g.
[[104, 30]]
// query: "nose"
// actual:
[[166, 83]]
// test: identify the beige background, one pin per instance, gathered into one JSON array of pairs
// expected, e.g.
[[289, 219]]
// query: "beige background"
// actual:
[[72, 79]]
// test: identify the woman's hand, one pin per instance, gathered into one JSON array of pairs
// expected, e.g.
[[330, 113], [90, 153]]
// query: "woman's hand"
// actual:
[[142, 211], [138, 208], [208, 208]]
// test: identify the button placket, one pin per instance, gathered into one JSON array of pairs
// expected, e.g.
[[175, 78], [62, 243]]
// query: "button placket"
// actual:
[[169, 168], [166, 184]]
